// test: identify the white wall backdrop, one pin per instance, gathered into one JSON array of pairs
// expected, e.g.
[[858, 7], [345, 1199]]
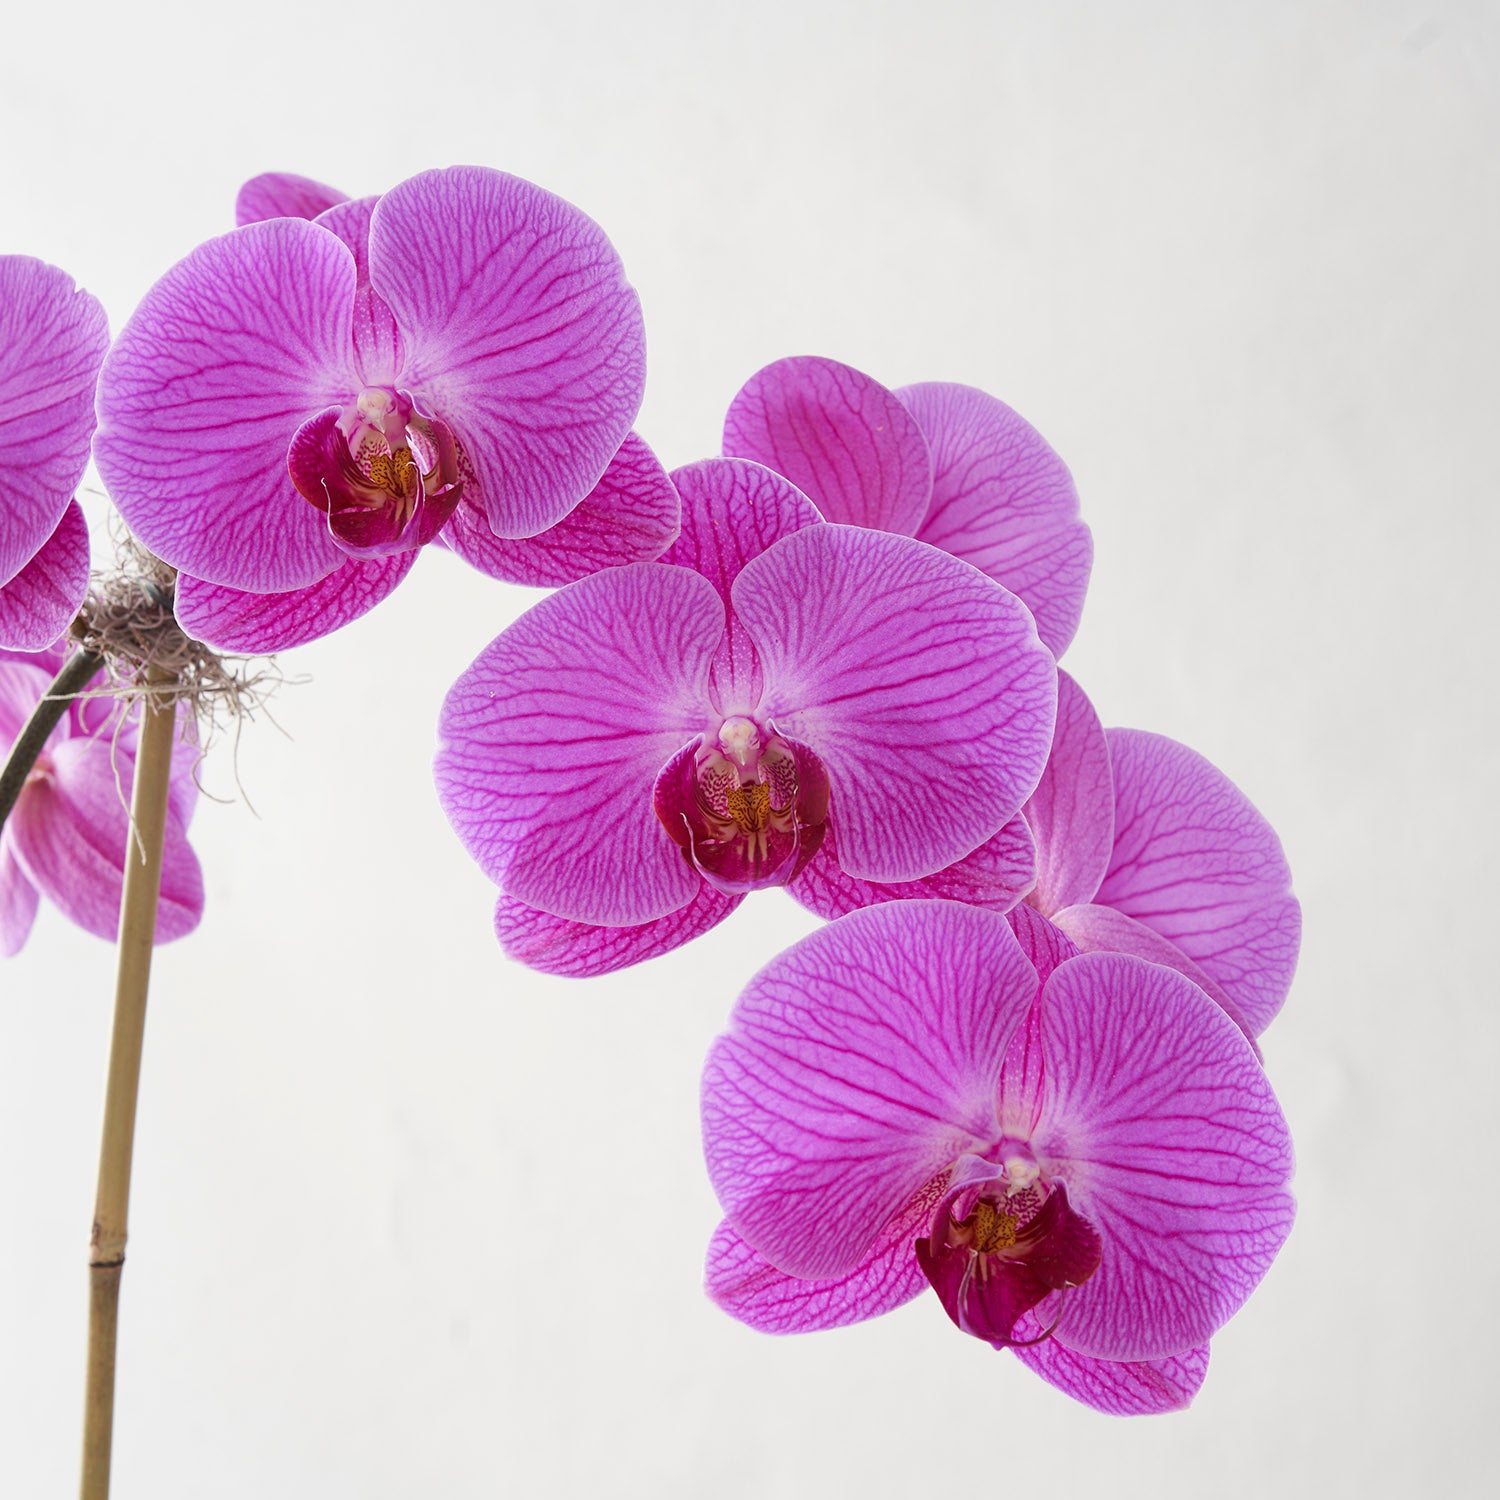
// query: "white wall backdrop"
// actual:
[[410, 1221]]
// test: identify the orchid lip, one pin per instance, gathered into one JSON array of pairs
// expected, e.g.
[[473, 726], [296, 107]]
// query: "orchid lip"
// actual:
[[384, 473], [746, 805]]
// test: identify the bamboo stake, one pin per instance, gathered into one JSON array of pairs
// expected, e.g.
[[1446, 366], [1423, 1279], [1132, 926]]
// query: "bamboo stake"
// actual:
[[148, 810]]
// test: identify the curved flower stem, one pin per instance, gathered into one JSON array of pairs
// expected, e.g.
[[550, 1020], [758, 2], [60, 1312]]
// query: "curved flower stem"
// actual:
[[78, 671], [148, 811]]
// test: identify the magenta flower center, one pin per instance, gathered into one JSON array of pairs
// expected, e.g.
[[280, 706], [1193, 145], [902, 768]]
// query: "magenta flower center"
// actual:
[[746, 805], [1017, 1242], [384, 473]]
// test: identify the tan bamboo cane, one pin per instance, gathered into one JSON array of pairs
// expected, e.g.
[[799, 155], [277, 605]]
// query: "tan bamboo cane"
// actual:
[[148, 810]]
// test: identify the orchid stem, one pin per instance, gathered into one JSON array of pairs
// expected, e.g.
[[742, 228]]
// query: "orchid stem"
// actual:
[[148, 812], [78, 671]]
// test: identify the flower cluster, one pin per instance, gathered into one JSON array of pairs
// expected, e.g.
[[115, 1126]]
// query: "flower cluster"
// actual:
[[1018, 1066]]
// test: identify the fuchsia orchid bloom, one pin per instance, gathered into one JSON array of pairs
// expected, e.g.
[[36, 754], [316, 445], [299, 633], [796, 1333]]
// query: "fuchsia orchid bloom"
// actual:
[[1079, 1153], [52, 341], [298, 407], [1143, 847], [68, 835], [647, 745], [944, 463]]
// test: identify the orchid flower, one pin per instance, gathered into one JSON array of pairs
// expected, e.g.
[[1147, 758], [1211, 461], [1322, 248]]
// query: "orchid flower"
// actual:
[[1079, 1153], [1143, 847], [646, 746], [299, 406], [1139, 846], [52, 341], [68, 836], [944, 463]]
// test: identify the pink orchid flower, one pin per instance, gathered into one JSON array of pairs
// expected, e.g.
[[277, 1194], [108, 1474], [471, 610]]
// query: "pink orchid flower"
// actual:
[[52, 341], [300, 406], [944, 463], [68, 835], [1079, 1153], [1138, 845], [1143, 847], [646, 746]]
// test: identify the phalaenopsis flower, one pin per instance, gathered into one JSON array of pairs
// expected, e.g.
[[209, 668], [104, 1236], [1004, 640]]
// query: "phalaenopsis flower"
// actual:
[[944, 463], [52, 340], [299, 406], [646, 746], [1080, 1153], [1144, 847], [1140, 846], [68, 836]]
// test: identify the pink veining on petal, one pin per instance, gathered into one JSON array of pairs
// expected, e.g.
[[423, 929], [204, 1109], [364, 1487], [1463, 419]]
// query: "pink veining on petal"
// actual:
[[41, 601], [280, 195], [748, 1287], [234, 620], [631, 515], [1118, 1388], [520, 331], [857, 1066], [580, 950], [996, 875], [918, 682], [840, 436], [732, 512], [552, 740], [252, 336], [1159, 1118], [379, 353], [70, 833], [1004, 501], [53, 336], [1072, 810], [1196, 861]]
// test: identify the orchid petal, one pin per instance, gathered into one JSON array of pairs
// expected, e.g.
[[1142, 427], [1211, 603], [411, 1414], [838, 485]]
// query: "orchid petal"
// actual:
[[748, 1287], [18, 903], [551, 741], [1160, 1120], [24, 681], [41, 601], [52, 340], [996, 875], [521, 332], [918, 682], [1119, 1388], [1045, 944], [857, 1066], [378, 351], [631, 515], [283, 195], [70, 833], [840, 436], [1004, 501], [1072, 810], [1102, 929], [255, 624], [579, 950], [1196, 861], [225, 358], [732, 511]]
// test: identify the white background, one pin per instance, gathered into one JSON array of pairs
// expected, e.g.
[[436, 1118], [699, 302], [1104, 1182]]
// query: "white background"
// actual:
[[410, 1221]]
